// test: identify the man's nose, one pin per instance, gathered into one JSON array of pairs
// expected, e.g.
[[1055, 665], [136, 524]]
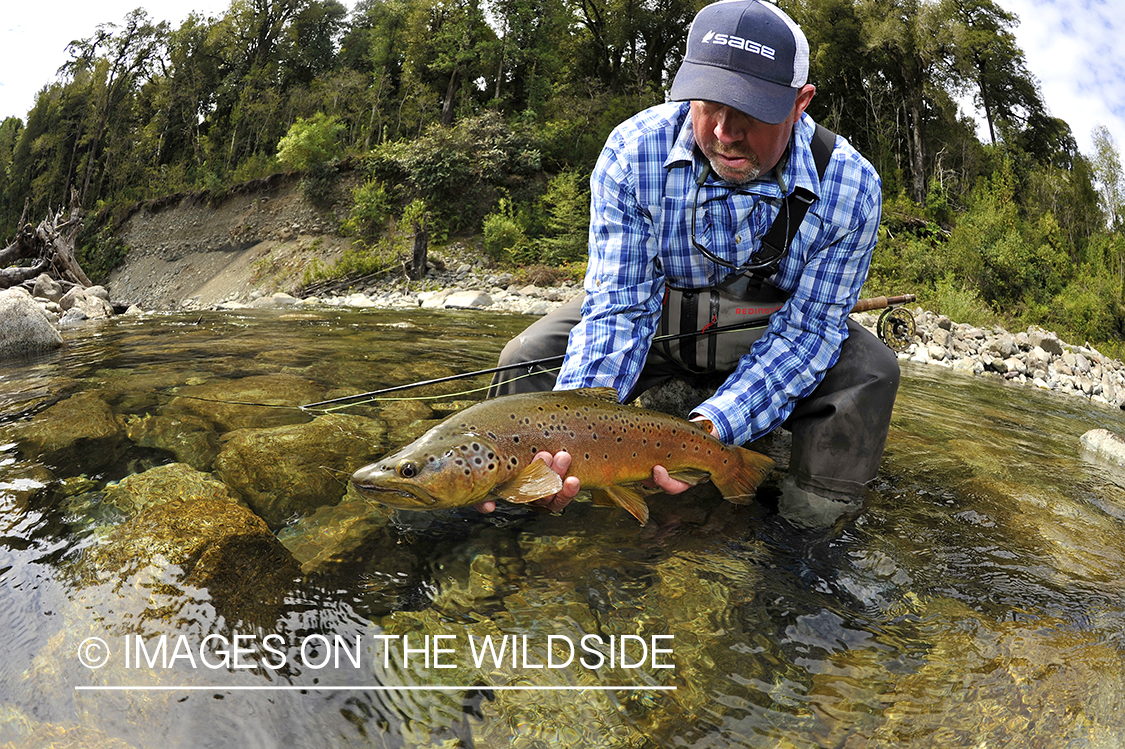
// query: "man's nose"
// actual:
[[730, 125]]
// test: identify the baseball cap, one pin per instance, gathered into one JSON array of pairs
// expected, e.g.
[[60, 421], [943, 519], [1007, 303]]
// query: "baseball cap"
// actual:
[[746, 54]]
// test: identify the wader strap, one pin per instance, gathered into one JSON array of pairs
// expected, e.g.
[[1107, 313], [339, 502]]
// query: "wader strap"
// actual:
[[688, 308], [793, 209]]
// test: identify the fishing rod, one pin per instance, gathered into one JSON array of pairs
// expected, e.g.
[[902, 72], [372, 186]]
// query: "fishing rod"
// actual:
[[862, 306]]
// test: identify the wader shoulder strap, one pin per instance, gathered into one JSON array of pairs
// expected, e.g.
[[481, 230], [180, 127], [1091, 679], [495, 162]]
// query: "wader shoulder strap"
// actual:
[[776, 241]]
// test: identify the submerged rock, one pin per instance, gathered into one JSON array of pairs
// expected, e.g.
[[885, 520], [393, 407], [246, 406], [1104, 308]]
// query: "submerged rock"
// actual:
[[288, 471], [79, 432], [1104, 444], [160, 484], [248, 402], [190, 438], [205, 542]]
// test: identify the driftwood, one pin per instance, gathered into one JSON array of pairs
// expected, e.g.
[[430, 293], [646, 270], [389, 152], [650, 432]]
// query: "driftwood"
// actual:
[[50, 244]]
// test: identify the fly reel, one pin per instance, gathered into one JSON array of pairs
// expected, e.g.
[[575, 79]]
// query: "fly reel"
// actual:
[[896, 328]]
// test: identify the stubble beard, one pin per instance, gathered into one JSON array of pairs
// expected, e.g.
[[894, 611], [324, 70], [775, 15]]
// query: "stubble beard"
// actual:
[[749, 173]]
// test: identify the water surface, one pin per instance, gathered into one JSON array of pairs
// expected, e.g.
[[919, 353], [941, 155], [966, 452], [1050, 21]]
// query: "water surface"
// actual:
[[976, 601]]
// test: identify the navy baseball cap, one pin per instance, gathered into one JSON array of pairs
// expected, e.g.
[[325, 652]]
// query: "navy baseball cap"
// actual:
[[746, 54]]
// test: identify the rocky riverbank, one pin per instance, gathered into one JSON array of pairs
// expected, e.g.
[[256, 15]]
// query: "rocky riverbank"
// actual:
[[1035, 357]]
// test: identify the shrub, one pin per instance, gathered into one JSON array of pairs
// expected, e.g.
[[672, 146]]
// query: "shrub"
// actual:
[[567, 204], [371, 209], [310, 142], [504, 237]]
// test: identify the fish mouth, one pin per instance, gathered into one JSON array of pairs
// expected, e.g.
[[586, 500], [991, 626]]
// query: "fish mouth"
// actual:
[[401, 499]]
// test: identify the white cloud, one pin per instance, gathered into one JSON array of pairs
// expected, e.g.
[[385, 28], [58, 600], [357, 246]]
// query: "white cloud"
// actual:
[[1073, 48]]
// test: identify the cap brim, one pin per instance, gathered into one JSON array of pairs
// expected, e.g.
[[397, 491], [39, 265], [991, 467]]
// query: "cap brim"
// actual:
[[769, 102]]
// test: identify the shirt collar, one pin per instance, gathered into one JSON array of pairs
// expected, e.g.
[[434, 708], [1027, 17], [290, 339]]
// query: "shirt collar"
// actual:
[[796, 171]]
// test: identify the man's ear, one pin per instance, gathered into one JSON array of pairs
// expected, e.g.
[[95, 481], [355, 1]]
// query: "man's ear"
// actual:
[[804, 96]]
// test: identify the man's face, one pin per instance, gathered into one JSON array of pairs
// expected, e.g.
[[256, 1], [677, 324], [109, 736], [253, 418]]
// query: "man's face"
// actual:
[[739, 147]]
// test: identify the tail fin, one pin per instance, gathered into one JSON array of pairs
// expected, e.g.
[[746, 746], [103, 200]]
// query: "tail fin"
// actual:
[[740, 485]]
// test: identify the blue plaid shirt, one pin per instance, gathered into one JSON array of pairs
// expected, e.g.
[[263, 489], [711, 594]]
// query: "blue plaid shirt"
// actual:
[[643, 191]]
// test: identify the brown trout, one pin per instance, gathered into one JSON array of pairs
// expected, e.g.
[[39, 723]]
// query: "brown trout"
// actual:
[[487, 451]]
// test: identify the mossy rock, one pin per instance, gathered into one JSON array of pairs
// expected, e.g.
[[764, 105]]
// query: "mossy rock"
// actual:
[[78, 432], [157, 485], [287, 472], [204, 542]]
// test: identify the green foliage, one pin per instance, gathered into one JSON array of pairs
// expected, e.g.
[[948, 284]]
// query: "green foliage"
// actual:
[[319, 185], [567, 204], [504, 235], [98, 251], [311, 142], [371, 209], [459, 170]]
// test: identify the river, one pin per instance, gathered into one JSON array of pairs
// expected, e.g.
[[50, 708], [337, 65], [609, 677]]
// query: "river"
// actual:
[[976, 601]]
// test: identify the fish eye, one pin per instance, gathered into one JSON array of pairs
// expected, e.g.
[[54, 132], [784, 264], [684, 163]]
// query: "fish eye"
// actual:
[[407, 470]]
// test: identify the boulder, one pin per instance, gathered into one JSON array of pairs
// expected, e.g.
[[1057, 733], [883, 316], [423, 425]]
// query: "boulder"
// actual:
[[204, 542], [25, 329], [92, 301], [467, 300], [287, 472], [1104, 444], [47, 288], [1045, 340]]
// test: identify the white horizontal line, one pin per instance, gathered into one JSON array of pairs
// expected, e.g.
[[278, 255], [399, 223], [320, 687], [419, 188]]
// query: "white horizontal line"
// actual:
[[316, 688]]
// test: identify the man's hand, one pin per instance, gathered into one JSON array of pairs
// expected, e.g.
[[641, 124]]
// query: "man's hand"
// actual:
[[560, 463]]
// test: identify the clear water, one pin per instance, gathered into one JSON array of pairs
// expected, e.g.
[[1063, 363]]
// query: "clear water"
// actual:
[[976, 602]]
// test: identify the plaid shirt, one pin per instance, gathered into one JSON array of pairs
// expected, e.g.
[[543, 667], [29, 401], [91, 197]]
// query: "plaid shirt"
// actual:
[[643, 192]]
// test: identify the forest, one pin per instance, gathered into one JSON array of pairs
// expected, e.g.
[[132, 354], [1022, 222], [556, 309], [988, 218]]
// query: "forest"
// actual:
[[483, 118]]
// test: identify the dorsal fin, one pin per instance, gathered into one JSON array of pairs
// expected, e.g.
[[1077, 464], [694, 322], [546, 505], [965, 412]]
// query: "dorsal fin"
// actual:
[[607, 394]]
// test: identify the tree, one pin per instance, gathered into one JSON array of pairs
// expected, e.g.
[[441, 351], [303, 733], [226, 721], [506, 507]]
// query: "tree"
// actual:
[[1110, 178], [987, 54], [130, 52]]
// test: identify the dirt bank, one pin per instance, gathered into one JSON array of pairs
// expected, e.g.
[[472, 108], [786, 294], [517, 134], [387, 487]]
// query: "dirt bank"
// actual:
[[190, 253]]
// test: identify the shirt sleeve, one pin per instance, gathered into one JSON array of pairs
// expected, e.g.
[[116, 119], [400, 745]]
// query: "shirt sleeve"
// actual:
[[804, 337], [623, 287]]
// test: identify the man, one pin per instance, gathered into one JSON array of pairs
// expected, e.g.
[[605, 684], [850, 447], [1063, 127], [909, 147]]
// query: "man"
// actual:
[[682, 194]]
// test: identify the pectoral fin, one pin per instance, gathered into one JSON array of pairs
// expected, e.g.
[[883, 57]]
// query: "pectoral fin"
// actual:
[[532, 483], [691, 476], [623, 497]]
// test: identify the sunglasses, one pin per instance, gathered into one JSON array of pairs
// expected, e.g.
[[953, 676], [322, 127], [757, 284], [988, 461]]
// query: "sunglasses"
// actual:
[[771, 255]]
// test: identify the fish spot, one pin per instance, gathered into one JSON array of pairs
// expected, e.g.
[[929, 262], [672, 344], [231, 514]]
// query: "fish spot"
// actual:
[[468, 472], [478, 461], [492, 466], [587, 456], [516, 438]]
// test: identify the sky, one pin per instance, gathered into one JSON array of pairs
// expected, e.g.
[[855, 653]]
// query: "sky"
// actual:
[[1072, 47]]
